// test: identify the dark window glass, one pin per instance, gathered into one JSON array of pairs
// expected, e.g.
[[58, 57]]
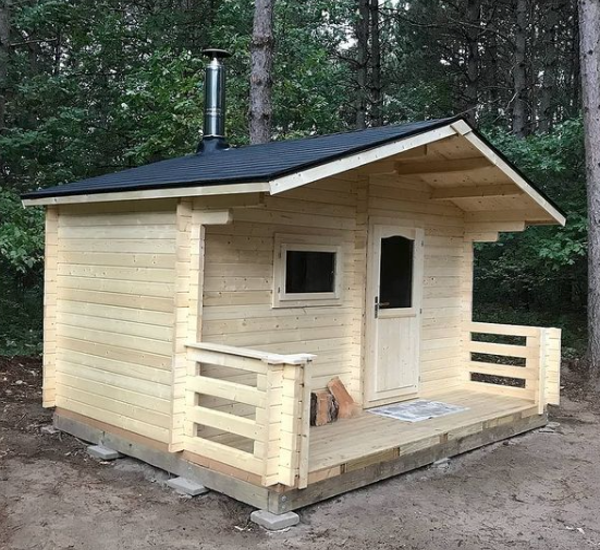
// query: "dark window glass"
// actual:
[[307, 272], [396, 272]]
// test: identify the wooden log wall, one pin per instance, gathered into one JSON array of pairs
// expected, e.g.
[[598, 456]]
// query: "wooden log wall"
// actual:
[[115, 314], [238, 280], [50, 268]]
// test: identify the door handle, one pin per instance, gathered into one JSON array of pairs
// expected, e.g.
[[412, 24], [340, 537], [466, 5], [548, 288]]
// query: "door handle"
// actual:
[[378, 305]]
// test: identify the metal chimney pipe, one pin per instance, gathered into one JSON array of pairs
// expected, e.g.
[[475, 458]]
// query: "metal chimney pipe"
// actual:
[[214, 102]]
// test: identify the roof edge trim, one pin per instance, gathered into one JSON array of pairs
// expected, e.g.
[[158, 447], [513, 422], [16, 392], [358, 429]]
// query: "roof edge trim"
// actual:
[[147, 194], [356, 160], [500, 162]]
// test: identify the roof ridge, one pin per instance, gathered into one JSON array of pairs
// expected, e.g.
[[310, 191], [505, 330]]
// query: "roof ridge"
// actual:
[[352, 131]]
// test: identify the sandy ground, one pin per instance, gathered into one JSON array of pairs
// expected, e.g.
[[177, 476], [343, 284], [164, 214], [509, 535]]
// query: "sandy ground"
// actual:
[[537, 491]]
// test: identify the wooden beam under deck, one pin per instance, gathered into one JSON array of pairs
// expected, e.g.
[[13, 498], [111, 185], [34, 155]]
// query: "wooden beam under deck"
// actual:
[[366, 474]]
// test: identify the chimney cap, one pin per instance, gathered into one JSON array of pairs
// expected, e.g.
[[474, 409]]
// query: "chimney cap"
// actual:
[[216, 52]]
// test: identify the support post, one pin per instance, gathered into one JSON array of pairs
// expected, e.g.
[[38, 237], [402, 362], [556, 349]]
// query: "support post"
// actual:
[[187, 325], [50, 298]]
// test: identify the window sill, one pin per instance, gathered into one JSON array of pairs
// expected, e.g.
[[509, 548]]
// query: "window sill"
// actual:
[[284, 303]]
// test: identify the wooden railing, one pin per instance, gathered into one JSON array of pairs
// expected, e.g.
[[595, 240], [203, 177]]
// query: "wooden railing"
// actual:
[[250, 410], [528, 367]]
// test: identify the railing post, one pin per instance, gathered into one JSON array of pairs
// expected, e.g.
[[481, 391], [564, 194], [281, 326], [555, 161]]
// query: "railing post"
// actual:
[[295, 412], [270, 418], [304, 433], [287, 424], [542, 358], [280, 395], [552, 365]]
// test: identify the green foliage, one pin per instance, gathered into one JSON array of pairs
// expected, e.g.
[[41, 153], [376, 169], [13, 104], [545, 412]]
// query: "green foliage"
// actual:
[[97, 86], [21, 257], [160, 108], [21, 323], [542, 272], [21, 235]]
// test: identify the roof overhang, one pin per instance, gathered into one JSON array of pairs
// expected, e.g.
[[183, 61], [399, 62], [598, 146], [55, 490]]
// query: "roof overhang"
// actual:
[[309, 175], [148, 194], [298, 179], [494, 156], [456, 128]]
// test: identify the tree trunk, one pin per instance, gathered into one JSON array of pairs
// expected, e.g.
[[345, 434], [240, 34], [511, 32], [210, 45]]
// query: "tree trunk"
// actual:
[[494, 80], [4, 58], [376, 98], [472, 36], [589, 32], [519, 111], [533, 65], [362, 58], [550, 21], [575, 73], [261, 79]]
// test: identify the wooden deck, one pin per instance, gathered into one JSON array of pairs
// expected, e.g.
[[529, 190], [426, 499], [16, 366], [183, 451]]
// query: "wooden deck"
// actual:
[[370, 438], [346, 455]]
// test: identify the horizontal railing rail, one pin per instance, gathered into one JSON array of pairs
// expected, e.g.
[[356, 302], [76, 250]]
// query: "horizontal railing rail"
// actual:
[[249, 409], [527, 366]]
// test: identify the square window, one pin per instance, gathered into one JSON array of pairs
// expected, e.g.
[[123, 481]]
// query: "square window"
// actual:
[[306, 271]]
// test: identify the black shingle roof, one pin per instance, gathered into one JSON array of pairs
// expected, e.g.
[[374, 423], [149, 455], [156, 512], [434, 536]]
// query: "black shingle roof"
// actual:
[[252, 163]]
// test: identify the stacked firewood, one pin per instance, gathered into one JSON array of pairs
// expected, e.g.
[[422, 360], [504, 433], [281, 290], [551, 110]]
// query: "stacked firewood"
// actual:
[[331, 403]]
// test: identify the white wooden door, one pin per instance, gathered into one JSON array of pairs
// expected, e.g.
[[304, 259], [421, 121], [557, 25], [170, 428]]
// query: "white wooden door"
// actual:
[[394, 290]]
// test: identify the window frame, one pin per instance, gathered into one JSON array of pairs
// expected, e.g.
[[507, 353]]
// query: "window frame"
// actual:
[[411, 287], [300, 243]]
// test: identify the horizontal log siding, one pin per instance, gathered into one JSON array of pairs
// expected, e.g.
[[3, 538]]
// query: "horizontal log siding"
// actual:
[[238, 280], [114, 314], [239, 277]]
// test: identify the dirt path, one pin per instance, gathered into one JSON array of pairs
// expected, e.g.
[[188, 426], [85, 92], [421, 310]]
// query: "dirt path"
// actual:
[[538, 491]]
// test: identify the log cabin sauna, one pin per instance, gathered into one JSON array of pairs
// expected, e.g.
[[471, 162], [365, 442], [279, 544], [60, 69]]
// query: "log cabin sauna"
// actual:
[[193, 305]]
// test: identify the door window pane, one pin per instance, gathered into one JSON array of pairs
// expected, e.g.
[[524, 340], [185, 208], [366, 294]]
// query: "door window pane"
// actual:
[[396, 272], [309, 272]]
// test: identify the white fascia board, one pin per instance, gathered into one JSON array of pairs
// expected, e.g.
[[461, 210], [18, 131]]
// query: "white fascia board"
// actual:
[[196, 191], [304, 177], [466, 131]]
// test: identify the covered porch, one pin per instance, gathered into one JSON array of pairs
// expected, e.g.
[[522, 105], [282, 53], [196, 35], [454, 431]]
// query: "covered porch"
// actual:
[[369, 438], [249, 418]]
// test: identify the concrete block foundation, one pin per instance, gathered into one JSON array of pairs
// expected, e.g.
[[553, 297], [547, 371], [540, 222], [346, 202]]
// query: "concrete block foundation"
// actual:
[[274, 522], [187, 487], [103, 453]]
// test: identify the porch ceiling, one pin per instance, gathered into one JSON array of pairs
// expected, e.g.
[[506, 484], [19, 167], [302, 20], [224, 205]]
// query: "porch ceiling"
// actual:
[[454, 170]]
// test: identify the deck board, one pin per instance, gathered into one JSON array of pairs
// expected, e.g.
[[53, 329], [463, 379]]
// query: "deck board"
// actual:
[[367, 434]]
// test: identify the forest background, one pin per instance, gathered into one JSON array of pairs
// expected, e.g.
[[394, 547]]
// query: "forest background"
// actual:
[[94, 86]]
